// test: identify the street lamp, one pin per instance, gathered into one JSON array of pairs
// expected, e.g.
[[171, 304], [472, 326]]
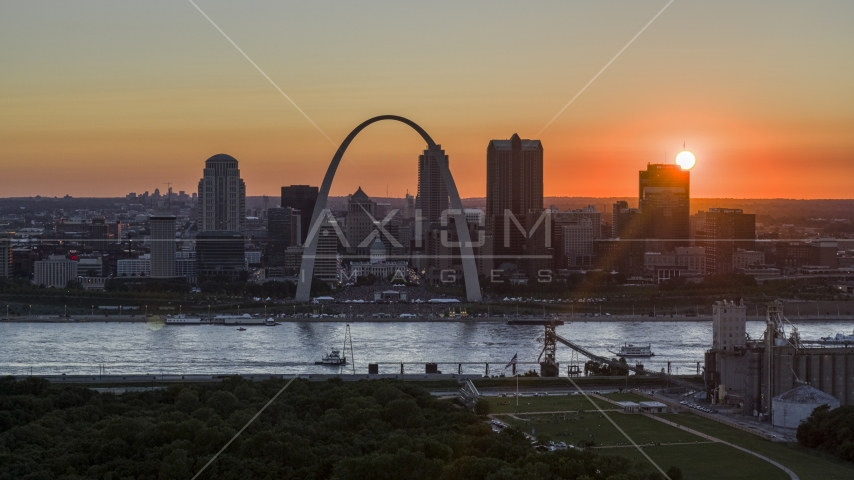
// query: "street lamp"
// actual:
[[146, 311], [31, 310], [66, 311]]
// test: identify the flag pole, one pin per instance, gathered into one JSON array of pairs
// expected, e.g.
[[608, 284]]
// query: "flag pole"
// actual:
[[517, 389]]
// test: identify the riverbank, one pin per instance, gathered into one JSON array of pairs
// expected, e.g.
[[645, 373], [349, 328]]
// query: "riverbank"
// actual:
[[421, 319]]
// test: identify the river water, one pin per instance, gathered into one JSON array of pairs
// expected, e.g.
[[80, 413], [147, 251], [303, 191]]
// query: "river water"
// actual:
[[136, 348]]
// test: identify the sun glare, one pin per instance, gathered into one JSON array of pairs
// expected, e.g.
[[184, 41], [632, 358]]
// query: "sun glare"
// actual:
[[686, 160]]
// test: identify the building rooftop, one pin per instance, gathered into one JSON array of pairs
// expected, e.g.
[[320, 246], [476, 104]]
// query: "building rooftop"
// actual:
[[221, 157], [807, 395]]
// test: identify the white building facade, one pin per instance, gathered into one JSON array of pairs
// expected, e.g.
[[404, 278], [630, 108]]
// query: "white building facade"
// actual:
[[134, 267], [55, 272]]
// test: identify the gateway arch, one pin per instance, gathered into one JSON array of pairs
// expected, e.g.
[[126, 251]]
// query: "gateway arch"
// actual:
[[310, 249]]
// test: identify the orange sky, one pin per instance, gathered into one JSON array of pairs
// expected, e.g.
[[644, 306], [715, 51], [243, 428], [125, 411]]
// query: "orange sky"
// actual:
[[99, 99]]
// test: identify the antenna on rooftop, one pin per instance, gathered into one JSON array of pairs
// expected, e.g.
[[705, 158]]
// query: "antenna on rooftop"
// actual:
[[169, 196]]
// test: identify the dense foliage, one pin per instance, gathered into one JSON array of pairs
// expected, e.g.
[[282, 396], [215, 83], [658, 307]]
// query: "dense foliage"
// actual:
[[831, 431], [605, 369], [360, 430]]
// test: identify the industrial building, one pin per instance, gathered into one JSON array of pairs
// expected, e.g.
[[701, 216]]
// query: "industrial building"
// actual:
[[748, 373]]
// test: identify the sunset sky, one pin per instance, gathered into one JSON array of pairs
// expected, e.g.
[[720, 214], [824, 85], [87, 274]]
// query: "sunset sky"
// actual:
[[100, 98]]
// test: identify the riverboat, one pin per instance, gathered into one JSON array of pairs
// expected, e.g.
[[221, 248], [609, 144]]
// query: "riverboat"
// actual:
[[629, 350], [333, 359]]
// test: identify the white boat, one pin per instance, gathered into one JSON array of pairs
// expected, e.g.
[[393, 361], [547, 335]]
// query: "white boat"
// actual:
[[629, 350], [270, 322], [333, 359]]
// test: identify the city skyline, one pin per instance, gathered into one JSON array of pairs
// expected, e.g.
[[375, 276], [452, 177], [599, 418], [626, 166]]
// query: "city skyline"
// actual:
[[124, 97]]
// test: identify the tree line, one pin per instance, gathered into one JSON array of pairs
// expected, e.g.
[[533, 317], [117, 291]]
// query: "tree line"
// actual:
[[314, 430]]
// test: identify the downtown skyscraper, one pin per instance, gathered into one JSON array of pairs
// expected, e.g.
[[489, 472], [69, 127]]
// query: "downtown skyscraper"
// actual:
[[222, 196], [664, 197], [514, 177], [302, 199], [432, 197]]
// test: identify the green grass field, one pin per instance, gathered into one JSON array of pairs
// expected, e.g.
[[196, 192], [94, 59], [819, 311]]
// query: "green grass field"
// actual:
[[666, 445], [592, 425], [807, 465], [551, 403]]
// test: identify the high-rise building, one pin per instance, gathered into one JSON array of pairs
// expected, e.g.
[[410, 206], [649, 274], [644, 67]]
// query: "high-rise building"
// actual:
[[514, 185], [514, 177], [727, 230], [220, 254], [664, 193], [222, 196], [432, 197], [5, 255], [302, 198], [361, 212], [162, 245], [284, 228]]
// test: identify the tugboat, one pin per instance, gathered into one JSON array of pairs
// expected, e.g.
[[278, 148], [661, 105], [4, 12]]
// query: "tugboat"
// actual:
[[333, 359], [629, 350], [241, 329]]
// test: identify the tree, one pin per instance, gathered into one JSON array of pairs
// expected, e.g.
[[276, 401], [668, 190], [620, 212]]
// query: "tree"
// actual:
[[481, 407]]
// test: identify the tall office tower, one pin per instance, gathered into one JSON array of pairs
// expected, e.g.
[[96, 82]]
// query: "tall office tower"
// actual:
[[302, 198], [222, 196], [5, 255], [514, 177], [432, 197], [162, 245], [514, 184], [726, 231], [284, 227], [664, 192], [361, 212], [220, 254]]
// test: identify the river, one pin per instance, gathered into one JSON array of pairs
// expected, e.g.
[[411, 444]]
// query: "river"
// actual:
[[293, 347]]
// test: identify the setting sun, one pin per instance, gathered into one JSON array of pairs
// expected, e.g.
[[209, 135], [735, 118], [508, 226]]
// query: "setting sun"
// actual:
[[686, 160]]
